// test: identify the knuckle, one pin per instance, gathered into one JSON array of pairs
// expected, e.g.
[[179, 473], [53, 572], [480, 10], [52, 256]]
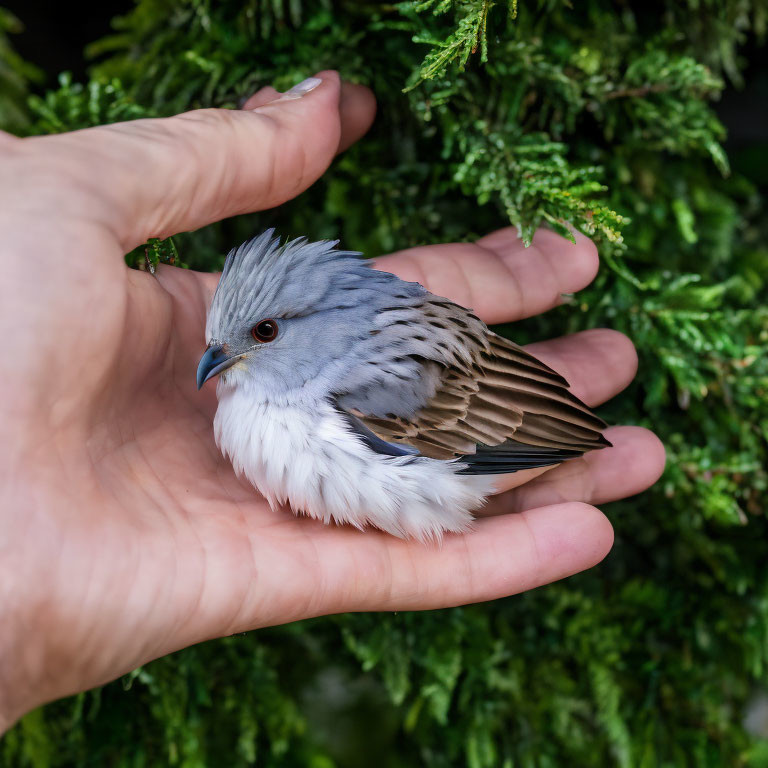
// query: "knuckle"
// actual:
[[216, 144]]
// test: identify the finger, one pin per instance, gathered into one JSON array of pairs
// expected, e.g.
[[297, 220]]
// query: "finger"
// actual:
[[634, 463], [501, 556], [498, 277], [152, 178], [311, 569], [261, 97], [501, 281], [358, 109], [597, 364], [356, 105]]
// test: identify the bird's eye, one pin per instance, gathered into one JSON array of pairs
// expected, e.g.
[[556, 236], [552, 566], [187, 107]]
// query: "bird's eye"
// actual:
[[264, 331]]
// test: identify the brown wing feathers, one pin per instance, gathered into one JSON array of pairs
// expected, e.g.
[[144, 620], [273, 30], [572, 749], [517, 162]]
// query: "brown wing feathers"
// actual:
[[504, 411]]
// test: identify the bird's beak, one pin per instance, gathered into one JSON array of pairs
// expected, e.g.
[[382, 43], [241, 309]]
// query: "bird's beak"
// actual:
[[213, 362]]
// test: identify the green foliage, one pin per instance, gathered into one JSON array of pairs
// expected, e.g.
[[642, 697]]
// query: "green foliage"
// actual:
[[470, 33], [73, 106], [15, 76], [597, 117]]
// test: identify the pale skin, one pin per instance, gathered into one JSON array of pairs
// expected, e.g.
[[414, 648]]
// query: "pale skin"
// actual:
[[124, 535]]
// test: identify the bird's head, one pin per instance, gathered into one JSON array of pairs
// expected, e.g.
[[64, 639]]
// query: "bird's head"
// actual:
[[287, 316]]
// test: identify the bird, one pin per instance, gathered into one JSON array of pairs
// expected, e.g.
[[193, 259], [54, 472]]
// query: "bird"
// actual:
[[357, 398]]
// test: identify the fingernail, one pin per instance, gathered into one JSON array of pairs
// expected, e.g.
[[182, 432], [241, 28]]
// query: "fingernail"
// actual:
[[303, 88]]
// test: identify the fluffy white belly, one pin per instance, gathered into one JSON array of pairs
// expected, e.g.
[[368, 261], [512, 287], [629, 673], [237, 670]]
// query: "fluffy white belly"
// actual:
[[307, 456]]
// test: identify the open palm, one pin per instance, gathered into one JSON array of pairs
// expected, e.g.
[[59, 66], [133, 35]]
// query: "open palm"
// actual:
[[124, 535]]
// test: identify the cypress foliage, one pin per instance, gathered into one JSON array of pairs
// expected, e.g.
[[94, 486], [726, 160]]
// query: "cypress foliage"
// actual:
[[597, 116], [15, 75]]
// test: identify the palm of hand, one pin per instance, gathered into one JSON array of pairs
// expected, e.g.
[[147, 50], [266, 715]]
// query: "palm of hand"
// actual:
[[130, 535]]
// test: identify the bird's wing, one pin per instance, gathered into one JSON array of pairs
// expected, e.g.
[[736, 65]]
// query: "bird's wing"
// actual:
[[494, 406]]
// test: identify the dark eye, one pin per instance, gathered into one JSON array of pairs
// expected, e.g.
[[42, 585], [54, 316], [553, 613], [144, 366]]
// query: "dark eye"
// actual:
[[264, 331]]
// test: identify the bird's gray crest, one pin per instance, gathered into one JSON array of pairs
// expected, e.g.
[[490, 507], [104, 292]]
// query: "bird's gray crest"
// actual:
[[263, 278]]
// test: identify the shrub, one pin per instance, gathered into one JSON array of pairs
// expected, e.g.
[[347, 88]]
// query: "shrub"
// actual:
[[597, 116]]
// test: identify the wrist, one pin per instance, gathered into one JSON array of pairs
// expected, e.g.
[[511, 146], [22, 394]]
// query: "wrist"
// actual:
[[20, 652], [5, 722], [13, 690], [19, 693], [11, 708]]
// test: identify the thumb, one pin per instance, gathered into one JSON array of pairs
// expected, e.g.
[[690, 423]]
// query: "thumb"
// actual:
[[156, 177]]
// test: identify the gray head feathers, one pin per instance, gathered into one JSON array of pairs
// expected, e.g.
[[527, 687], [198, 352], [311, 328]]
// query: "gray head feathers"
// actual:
[[263, 278]]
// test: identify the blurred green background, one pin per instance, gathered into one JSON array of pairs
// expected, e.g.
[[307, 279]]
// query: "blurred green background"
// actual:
[[641, 124]]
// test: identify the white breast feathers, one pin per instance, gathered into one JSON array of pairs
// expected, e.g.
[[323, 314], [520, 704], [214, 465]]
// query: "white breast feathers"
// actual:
[[307, 456]]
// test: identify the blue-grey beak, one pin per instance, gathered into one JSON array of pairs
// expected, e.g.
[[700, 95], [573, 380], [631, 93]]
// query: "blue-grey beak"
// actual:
[[213, 362]]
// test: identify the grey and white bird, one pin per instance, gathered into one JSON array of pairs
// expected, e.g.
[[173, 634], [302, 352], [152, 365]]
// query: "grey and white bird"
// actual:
[[359, 398]]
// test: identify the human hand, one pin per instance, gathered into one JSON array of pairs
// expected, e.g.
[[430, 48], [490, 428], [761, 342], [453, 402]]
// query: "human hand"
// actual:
[[125, 534]]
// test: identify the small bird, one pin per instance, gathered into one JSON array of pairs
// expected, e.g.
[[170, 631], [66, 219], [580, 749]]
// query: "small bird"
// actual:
[[359, 398]]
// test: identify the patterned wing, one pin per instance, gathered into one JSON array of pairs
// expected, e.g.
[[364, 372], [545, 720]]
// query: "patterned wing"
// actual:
[[485, 401]]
